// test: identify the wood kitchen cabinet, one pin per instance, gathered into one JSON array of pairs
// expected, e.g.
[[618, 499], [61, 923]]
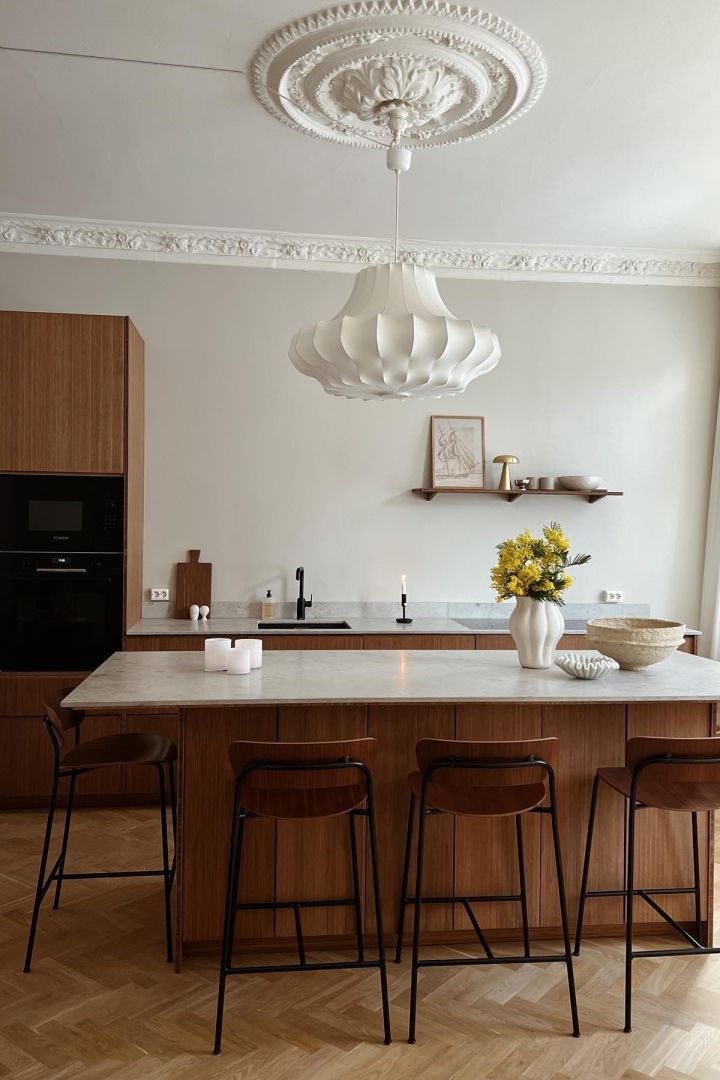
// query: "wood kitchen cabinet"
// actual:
[[63, 380]]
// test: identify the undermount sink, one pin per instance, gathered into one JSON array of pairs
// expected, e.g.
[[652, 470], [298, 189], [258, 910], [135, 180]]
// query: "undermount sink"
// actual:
[[307, 624]]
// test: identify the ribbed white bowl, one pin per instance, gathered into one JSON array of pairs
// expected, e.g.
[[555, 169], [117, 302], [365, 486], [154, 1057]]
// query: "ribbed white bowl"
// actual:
[[581, 666]]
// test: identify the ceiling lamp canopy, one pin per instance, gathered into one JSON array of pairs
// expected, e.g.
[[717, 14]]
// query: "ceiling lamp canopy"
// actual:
[[399, 75], [395, 338]]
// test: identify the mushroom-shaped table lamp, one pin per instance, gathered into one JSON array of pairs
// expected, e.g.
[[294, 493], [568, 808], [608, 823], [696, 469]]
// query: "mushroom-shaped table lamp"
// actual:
[[506, 460]]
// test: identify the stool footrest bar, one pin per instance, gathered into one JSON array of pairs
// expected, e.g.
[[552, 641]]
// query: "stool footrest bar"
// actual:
[[270, 968], [556, 958]]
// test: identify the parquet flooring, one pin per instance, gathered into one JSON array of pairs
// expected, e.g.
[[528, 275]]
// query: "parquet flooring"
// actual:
[[101, 1003]]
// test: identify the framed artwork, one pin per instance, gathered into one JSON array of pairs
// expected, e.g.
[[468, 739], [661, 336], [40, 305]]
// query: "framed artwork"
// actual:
[[458, 451]]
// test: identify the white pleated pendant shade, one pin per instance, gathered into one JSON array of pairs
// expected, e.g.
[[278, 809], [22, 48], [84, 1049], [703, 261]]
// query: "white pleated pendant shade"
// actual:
[[394, 338]]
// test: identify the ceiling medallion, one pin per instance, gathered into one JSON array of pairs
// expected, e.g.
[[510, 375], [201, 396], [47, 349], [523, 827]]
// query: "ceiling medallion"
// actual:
[[457, 72]]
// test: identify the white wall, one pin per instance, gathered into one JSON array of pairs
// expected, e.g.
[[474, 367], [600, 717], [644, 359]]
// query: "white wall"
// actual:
[[253, 463]]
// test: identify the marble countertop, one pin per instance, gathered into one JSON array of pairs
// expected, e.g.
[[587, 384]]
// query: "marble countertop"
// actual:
[[171, 679], [236, 626]]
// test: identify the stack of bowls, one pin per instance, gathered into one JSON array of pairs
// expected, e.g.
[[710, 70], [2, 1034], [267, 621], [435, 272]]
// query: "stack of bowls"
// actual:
[[635, 643]]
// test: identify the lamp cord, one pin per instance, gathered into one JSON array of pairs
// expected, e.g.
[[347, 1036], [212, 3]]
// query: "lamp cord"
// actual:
[[397, 210]]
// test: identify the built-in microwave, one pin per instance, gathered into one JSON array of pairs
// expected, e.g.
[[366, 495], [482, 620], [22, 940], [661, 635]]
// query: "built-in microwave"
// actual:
[[61, 513]]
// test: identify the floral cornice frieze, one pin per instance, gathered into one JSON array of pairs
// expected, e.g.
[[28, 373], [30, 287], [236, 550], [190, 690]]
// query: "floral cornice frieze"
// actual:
[[249, 247]]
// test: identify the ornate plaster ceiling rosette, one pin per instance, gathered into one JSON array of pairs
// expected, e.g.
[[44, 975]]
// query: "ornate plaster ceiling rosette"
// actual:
[[426, 72]]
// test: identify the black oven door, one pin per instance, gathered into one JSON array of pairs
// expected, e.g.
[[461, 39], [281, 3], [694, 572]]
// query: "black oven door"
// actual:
[[61, 513], [60, 612]]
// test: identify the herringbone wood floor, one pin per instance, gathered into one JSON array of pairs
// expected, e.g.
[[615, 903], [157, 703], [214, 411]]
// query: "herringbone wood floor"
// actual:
[[101, 1003]]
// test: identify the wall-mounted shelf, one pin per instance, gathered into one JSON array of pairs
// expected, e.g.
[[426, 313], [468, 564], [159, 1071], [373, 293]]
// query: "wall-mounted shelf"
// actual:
[[511, 496]]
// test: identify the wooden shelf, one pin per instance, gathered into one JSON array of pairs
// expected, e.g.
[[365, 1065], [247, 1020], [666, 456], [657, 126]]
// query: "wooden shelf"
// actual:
[[511, 496]]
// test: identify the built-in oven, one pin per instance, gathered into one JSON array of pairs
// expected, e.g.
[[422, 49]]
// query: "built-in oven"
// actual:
[[61, 513], [60, 612]]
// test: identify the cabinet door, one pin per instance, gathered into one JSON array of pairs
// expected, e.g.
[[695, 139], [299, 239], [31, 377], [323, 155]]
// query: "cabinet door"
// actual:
[[143, 779], [62, 378], [419, 641], [26, 758]]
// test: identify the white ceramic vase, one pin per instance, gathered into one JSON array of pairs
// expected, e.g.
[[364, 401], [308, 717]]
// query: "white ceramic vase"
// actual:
[[536, 626]]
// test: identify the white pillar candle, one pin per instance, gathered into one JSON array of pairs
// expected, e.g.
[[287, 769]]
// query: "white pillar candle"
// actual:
[[217, 651], [238, 661], [255, 647]]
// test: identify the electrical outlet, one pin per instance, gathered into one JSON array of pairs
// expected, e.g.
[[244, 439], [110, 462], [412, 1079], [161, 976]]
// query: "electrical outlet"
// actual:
[[611, 596], [159, 594]]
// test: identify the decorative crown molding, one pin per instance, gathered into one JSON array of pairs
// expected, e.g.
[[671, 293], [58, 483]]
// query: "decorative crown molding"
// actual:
[[249, 247]]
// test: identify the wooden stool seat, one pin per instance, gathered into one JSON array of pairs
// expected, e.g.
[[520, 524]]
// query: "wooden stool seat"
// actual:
[[133, 748], [476, 801], [687, 795], [304, 802]]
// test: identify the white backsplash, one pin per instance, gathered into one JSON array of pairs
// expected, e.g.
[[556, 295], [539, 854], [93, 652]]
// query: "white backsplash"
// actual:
[[423, 609]]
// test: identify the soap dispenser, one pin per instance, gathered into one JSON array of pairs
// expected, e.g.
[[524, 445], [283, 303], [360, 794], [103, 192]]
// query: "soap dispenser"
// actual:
[[268, 605]]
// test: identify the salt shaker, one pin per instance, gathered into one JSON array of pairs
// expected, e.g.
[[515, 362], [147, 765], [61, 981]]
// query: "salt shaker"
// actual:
[[204, 611], [194, 612]]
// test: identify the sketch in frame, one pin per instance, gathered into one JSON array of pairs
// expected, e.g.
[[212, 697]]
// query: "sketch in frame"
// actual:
[[458, 451]]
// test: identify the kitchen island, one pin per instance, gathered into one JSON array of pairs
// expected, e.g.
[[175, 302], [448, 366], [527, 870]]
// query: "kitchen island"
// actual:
[[398, 697]]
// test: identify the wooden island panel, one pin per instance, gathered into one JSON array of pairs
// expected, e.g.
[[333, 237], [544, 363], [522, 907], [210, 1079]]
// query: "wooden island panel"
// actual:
[[313, 856], [663, 840], [206, 800], [398, 729], [602, 743], [485, 848]]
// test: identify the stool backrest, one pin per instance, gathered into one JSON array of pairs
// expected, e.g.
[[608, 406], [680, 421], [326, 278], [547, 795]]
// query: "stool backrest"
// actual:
[[59, 720], [643, 747], [295, 755], [431, 751]]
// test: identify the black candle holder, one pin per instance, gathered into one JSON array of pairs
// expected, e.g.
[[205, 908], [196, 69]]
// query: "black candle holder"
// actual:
[[403, 601]]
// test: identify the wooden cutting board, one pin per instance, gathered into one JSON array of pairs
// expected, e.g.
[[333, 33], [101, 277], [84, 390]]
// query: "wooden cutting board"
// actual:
[[193, 584]]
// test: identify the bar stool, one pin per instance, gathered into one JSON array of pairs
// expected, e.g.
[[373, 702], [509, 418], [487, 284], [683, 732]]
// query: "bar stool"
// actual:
[[299, 781], [681, 775], [476, 779], [101, 753]]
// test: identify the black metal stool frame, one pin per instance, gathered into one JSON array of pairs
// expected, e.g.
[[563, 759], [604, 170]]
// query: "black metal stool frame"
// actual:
[[240, 816], [418, 900], [629, 892], [58, 874]]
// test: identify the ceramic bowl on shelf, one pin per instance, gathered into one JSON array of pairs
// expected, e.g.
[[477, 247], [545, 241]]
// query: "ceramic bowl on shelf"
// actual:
[[583, 666], [635, 643], [580, 483]]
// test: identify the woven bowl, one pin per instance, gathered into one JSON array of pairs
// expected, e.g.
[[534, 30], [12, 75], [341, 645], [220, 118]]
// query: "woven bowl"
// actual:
[[635, 643]]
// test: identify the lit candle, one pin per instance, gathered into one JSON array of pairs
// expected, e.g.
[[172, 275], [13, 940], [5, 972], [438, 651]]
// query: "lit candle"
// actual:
[[238, 661], [254, 645], [403, 584], [216, 654]]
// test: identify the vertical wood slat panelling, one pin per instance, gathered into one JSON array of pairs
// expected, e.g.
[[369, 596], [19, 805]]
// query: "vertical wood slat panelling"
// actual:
[[663, 848], [313, 856], [485, 849], [208, 785], [61, 410], [590, 736], [398, 728]]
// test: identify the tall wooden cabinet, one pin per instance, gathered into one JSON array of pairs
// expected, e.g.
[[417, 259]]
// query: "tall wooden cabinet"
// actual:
[[71, 401]]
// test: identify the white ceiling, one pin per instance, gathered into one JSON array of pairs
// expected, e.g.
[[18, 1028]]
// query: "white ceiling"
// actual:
[[623, 148]]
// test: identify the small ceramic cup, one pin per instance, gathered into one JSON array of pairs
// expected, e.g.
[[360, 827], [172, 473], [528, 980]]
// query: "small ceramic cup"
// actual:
[[548, 483], [533, 483]]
